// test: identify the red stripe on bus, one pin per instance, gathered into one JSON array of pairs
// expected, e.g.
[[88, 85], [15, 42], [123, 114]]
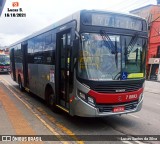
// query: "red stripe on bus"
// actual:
[[116, 97]]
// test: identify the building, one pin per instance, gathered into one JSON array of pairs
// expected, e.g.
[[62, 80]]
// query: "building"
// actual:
[[4, 50], [152, 14], [2, 2]]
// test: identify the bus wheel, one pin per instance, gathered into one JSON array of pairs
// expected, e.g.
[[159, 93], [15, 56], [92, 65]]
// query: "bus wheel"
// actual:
[[51, 100], [20, 84]]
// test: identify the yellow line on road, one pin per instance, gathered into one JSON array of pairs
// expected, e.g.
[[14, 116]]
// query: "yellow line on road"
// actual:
[[18, 121], [66, 130], [51, 118], [47, 125]]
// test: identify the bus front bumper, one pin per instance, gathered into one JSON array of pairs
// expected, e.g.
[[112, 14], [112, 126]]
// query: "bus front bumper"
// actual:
[[82, 108]]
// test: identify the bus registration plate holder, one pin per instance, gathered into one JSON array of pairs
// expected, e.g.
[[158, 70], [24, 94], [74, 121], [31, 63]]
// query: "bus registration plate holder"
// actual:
[[118, 109]]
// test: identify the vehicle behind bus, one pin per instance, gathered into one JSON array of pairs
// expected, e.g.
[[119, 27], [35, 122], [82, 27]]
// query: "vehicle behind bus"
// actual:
[[4, 63], [89, 64]]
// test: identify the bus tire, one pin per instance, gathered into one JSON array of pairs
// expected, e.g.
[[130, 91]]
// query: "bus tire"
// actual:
[[51, 100], [20, 84]]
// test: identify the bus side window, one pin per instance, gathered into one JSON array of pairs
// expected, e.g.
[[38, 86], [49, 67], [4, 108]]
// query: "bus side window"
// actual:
[[49, 49], [30, 50], [53, 48], [18, 54], [38, 53], [48, 39]]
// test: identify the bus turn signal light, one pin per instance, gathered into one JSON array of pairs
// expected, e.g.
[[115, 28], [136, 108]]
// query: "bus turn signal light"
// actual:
[[71, 99]]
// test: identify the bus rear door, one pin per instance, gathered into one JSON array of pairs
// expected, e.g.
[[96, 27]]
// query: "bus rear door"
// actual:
[[12, 63], [25, 63]]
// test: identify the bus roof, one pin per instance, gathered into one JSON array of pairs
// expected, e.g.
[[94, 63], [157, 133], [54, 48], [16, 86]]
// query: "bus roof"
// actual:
[[74, 16]]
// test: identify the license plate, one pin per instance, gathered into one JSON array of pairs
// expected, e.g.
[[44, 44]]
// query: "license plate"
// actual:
[[118, 109], [4, 69]]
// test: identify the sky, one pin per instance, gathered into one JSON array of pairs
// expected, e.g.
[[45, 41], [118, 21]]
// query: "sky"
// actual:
[[41, 13]]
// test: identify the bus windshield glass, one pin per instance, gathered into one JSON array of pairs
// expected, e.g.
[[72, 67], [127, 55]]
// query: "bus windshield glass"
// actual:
[[111, 57], [4, 59]]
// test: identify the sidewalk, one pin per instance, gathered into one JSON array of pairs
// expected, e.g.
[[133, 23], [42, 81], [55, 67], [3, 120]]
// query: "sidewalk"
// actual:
[[13, 119], [16, 119], [152, 86]]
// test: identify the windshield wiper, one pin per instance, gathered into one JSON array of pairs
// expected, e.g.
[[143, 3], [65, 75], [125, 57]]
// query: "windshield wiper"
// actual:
[[130, 46], [116, 52], [126, 52], [110, 44], [132, 43], [136, 57], [107, 41]]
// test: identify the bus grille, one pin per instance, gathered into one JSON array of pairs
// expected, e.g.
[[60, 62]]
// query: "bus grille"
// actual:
[[117, 88], [108, 108]]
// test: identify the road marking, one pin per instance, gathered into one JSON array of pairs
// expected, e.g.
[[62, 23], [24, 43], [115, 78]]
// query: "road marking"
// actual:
[[66, 130], [134, 116], [51, 118], [139, 142], [127, 142]]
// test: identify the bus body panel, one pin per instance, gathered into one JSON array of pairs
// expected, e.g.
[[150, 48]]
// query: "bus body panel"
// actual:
[[39, 77], [81, 108], [33, 77], [19, 71]]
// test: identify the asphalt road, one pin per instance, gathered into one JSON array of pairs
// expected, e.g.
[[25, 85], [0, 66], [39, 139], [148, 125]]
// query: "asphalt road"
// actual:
[[145, 122]]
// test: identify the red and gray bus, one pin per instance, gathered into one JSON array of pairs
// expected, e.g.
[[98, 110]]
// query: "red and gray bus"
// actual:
[[90, 64], [4, 63]]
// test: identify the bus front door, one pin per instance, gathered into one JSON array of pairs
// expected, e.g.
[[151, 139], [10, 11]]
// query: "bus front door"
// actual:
[[62, 68]]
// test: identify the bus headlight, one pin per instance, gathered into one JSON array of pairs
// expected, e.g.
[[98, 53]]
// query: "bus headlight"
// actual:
[[86, 98], [91, 101], [82, 95]]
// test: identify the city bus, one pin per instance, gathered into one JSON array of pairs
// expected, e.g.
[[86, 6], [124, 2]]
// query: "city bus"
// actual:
[[89, 64], [4, 63]]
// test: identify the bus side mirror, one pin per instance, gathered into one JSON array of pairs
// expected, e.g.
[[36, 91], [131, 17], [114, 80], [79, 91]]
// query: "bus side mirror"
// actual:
[[74, 55]]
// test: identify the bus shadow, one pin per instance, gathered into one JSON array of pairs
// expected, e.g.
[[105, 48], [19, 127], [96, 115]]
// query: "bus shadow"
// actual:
[[83, 124], [30, 95], [98, 124]]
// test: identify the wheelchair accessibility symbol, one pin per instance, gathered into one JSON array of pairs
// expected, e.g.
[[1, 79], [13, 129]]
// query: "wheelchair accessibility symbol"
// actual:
[[124, 75]]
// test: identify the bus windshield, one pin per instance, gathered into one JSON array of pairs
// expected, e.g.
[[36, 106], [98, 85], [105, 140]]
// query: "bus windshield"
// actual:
[[4, 59], [111, 57]]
